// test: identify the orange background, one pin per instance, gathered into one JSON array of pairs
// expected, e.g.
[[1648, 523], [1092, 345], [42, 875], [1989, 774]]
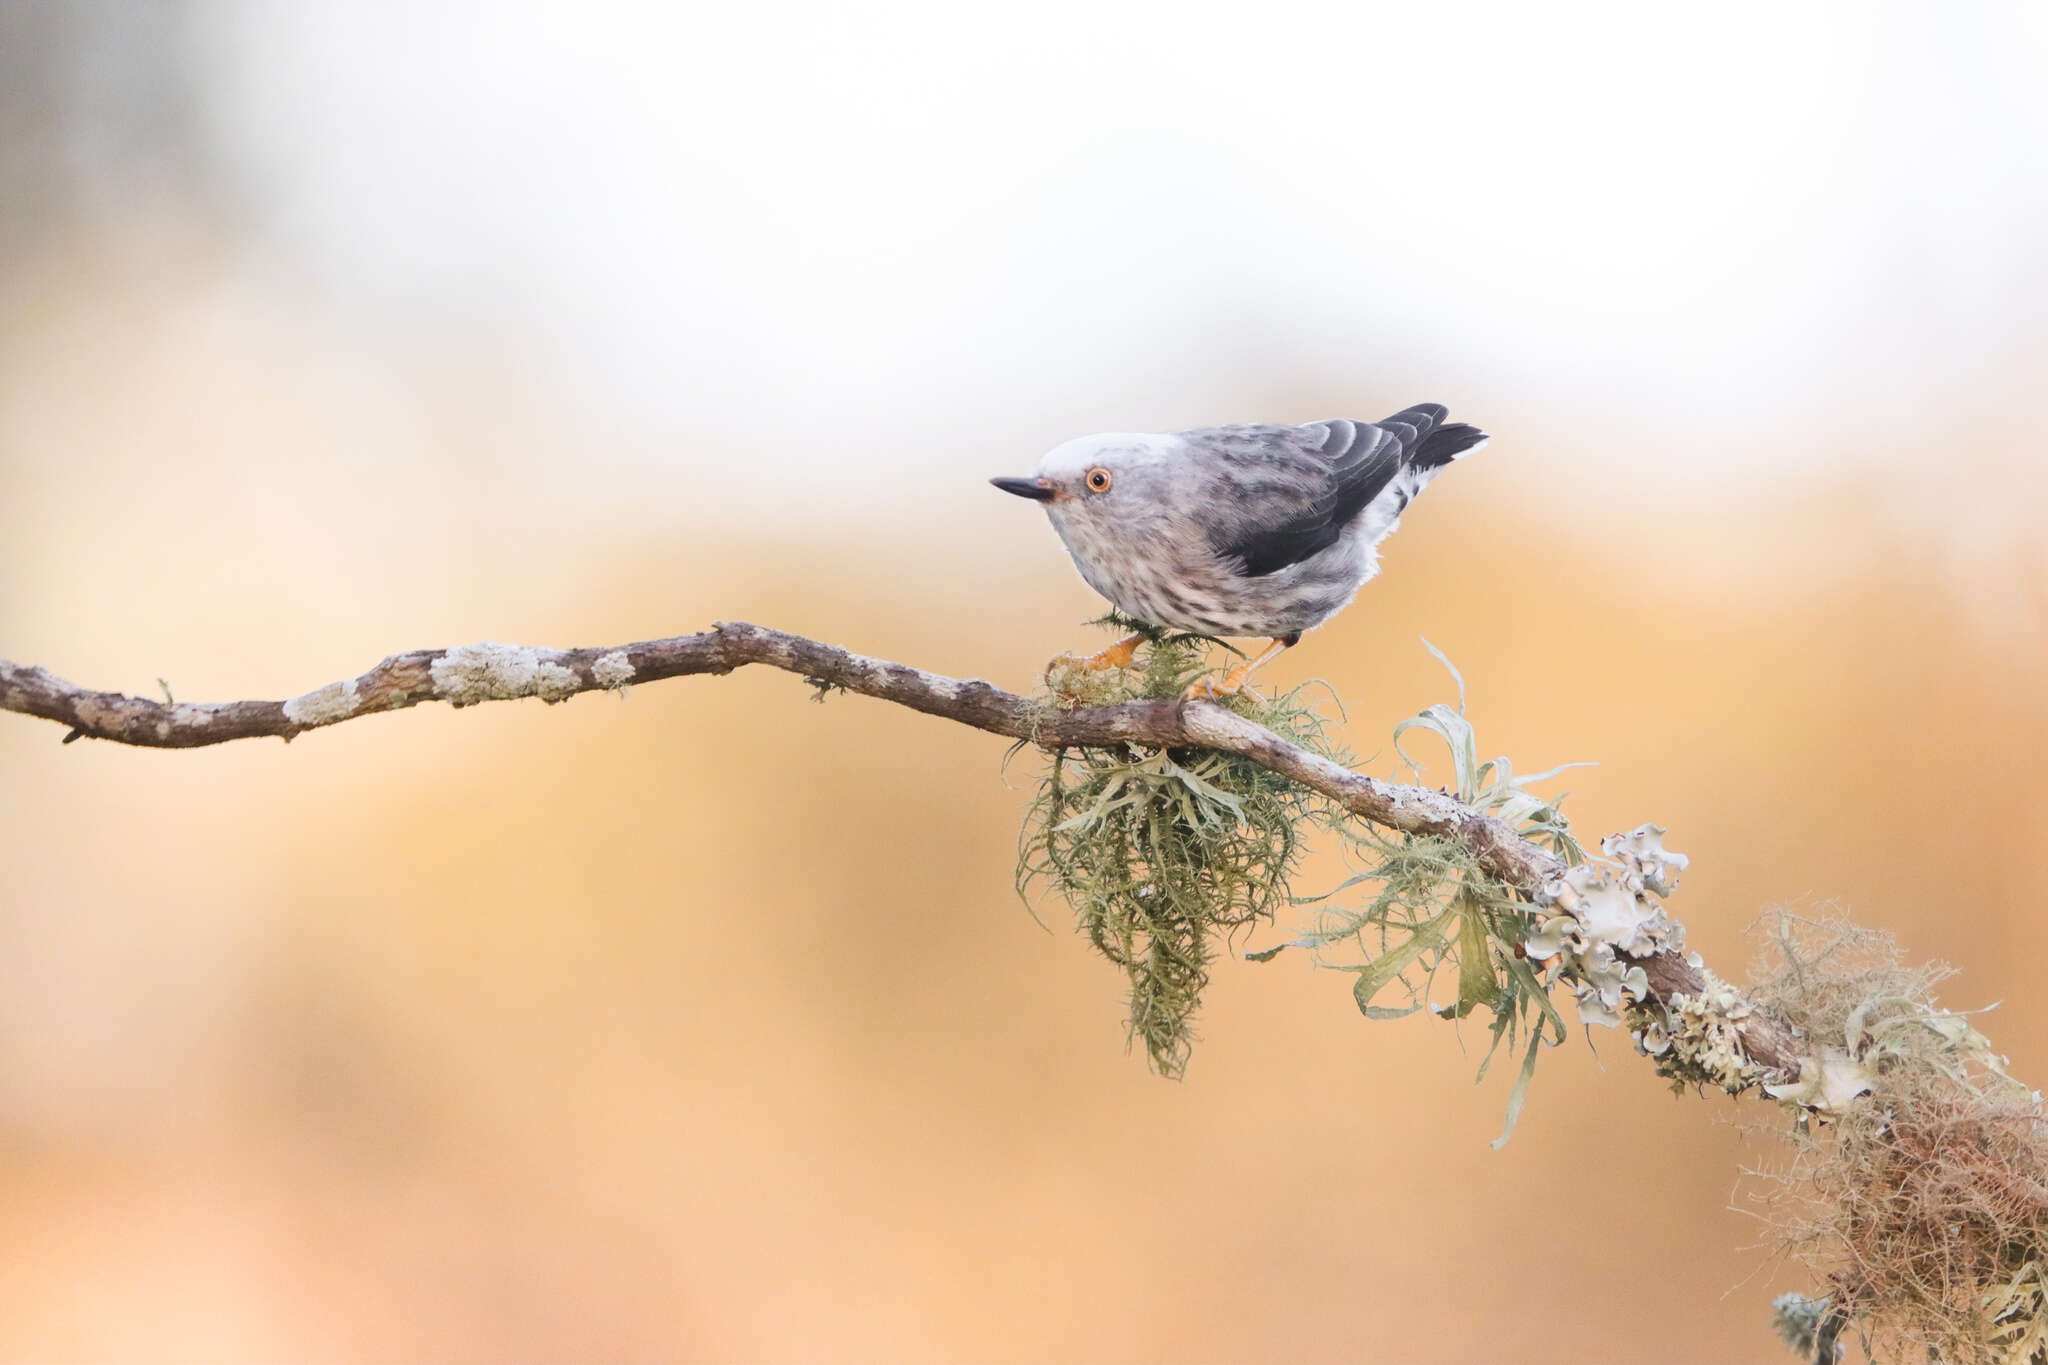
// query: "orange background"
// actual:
[[704, 1024]]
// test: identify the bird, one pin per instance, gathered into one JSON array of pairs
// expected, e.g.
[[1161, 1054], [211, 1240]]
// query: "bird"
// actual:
[[1255, 530]]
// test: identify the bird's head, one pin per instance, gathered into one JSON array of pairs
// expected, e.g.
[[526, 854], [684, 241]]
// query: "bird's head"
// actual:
[[1097, 478]]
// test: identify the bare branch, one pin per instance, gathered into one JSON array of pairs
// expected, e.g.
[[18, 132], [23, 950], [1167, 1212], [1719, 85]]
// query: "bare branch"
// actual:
[[471, 674]]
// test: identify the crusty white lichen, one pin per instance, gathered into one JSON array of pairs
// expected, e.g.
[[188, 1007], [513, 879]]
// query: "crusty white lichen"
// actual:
[[1696, 1039], [469, 674], [323, 705], [613, 669], [1598, 921]]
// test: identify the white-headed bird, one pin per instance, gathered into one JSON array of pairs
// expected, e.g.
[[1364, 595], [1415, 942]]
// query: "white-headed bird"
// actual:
[[1245, 530]]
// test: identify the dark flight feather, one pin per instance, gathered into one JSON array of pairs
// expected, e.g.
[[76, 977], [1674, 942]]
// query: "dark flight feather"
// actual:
[[1358, 461]]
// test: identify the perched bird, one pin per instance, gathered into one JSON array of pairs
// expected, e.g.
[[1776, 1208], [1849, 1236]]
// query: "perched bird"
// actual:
[[1246, 530]]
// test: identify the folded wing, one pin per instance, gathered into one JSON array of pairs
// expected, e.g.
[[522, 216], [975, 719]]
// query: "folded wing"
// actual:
[[1337, 472]]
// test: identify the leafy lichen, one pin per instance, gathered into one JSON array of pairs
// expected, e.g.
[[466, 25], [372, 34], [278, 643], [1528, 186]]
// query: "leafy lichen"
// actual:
[[1163, 855], [1918, 1186], [1435, 909]]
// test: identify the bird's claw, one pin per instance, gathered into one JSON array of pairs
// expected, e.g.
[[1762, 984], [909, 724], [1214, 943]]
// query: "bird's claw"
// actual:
[[1086, 662], [1211, 689], [1118, 655]]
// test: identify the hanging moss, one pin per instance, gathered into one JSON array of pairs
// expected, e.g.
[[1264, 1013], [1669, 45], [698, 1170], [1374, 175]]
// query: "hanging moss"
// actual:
[[1918, 1185], [1164, 855], [1917, 1189]]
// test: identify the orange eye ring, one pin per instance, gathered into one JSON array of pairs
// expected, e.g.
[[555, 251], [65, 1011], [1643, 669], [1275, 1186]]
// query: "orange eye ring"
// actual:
[[1098, 480]]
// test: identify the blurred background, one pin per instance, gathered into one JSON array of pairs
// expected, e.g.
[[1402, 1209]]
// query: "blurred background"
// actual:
[[705, 1024]]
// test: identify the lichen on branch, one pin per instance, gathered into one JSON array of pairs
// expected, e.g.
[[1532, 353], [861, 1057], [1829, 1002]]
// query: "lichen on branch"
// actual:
[[1916, 1189], [1921, 1193], [1165, 853], [1919, 1188]]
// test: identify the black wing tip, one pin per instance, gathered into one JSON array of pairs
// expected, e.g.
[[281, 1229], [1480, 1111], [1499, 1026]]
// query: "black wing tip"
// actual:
[[1446, 444]]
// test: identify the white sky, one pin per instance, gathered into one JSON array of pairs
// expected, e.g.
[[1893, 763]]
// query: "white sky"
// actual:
[[915, 224]]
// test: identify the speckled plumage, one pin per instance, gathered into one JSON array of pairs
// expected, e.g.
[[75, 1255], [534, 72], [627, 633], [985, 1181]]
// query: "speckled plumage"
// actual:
[[1243, 530]]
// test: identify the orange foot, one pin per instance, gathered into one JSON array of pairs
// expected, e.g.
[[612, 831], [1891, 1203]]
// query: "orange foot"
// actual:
[[1118, 655], [1231, 684], [1234, 683]]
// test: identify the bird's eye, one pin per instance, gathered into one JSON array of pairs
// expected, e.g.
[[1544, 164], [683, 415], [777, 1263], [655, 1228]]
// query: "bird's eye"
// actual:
[[1098, 480]]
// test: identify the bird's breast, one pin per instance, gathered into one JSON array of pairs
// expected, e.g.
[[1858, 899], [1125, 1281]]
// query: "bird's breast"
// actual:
[[1155, 573]]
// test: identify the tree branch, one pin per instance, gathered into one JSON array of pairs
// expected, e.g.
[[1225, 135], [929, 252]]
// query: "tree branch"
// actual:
[[470, 674]]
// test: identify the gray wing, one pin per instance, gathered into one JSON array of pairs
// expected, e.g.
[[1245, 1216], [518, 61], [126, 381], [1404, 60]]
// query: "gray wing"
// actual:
[[1296, 489]]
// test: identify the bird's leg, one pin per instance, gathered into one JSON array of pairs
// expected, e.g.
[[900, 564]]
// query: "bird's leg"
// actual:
[[1233, 682], [1118, 655]]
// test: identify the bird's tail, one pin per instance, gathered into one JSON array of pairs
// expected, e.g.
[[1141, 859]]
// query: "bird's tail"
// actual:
[[1434, 446], [1446, 444]]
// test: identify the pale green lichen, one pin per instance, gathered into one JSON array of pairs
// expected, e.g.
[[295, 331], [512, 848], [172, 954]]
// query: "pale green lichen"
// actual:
[[1697, 1039], [1917, 1190], [1163, 854], [1862, 1016], [1651, 866], [1828, 1082], [1598, 918], [1436, 908]]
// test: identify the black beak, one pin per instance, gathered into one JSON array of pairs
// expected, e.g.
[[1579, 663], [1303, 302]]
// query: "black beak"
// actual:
[[1036, 489]]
